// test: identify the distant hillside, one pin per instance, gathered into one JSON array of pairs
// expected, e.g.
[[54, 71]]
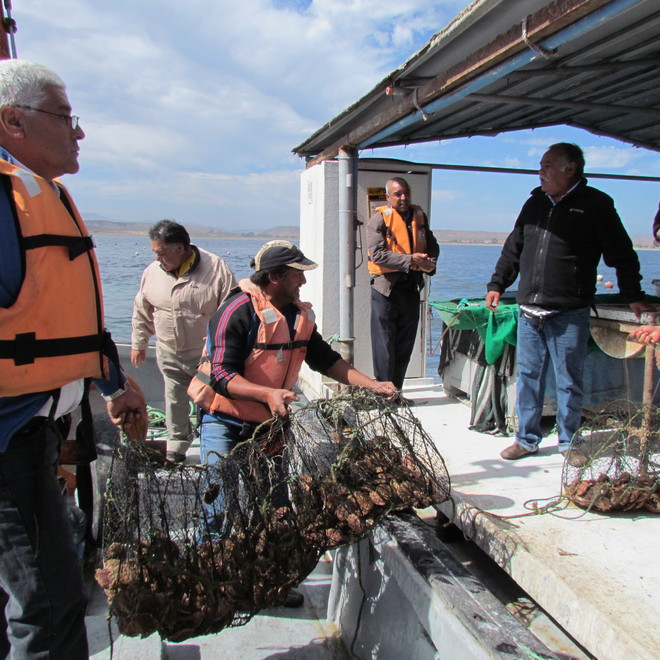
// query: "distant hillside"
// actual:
[[446, 236], [449, 236], [470, 237], [117, 228]]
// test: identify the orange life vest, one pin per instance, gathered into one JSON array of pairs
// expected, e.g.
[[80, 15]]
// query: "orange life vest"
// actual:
[[397, 238], [275, 361], [53, 333]]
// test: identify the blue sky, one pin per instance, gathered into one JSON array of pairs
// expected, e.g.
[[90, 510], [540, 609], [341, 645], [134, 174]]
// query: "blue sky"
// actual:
[[191, 109]]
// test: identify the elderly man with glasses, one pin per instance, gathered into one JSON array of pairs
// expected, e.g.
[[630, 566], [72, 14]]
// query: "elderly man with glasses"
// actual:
[[52, 344]]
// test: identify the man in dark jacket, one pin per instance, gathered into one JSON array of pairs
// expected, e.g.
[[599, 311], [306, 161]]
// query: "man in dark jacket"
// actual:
[[562, 231]]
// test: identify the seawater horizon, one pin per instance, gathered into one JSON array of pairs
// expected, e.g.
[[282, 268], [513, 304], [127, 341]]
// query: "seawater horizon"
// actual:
[[463, 272]]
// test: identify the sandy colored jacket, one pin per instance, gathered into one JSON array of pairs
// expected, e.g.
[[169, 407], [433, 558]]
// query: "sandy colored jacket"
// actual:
[[177, 310]]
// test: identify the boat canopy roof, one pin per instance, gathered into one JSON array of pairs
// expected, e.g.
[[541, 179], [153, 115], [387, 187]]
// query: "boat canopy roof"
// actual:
[[503, 66]]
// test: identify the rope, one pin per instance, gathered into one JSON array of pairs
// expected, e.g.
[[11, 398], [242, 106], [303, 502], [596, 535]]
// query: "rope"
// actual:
[[553, 506], [543, 52], [156, 429], [416, 104], [337, 338]]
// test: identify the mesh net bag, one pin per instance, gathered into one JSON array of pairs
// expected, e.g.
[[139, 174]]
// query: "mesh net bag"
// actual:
[[622, 468], [190, 550], [356, 458]]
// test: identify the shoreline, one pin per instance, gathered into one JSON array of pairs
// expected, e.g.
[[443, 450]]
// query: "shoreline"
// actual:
[[477, 244], [270, 237], [229, 237], [639, 242]]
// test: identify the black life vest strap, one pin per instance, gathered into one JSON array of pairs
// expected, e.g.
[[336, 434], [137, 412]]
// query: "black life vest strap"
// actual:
[[289, 345], [204, 378], [85, 429], [26, 348], [55, 394], [77, 245]]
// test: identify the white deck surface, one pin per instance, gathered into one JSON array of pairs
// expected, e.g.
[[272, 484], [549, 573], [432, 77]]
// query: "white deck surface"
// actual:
[[597, 575]]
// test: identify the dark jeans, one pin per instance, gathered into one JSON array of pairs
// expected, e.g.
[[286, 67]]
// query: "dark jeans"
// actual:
[[394, 321], [40, 575], [217, 439]]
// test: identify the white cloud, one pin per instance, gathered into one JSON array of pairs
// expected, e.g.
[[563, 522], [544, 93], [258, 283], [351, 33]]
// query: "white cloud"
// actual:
[[191, 109], [211, 88], [611, 157]]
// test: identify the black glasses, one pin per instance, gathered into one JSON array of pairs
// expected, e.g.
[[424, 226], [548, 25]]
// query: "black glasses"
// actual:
[[72, 120]]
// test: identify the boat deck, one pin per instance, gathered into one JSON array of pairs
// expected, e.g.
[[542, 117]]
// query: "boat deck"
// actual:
[[596, 575]]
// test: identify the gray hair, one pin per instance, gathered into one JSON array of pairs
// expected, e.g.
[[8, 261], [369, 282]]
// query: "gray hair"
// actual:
[[23, 82], [396, 179], [570, 153]]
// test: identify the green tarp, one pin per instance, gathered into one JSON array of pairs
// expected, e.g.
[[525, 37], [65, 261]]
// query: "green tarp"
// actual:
[[495, 328], [499, 328]]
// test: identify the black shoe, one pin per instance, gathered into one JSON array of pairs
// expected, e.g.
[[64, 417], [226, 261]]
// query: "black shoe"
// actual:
[[175, 457], [294, 599], [405, 401]]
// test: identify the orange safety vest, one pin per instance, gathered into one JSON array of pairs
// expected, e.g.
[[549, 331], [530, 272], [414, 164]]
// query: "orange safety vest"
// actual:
[[275, 362], [397, 238], [53, 333]]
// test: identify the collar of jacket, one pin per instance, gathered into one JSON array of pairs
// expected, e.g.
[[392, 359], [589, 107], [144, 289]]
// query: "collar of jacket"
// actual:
[[579, 187], [197, 257]]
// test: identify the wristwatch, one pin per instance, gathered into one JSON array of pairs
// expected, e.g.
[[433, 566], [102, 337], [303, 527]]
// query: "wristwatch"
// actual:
[[116, 394]]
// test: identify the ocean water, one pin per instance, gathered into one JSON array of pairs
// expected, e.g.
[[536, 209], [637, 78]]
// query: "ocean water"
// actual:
[[463, 271]]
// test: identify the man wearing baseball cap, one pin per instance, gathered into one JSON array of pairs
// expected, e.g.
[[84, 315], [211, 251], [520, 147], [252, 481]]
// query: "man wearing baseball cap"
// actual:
[[255, 345]]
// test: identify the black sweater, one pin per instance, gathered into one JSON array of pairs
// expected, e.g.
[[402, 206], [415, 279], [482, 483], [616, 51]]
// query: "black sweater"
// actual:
[[556, 249]]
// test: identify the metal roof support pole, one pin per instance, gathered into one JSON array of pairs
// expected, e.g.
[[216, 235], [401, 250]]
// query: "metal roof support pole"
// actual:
[[346, 181]]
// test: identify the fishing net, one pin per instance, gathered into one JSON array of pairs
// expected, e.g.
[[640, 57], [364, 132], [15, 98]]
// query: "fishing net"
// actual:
[[621, 470], [190, 550], [354, 459]]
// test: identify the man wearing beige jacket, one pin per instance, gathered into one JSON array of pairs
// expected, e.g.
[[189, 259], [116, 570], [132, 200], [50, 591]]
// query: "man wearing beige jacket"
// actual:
[[179, 293]]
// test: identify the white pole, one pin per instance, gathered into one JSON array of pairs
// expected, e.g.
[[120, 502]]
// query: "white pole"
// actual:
[[346, 253]]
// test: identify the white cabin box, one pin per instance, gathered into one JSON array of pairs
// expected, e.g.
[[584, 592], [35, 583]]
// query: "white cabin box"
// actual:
[[320, 241]]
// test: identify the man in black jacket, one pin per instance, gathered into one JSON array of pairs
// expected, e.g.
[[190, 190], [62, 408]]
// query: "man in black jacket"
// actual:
[[562, 231]]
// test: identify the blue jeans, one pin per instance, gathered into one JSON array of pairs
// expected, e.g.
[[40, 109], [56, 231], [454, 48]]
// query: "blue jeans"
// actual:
[[216, 439], [41, 586], [561, 339]]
